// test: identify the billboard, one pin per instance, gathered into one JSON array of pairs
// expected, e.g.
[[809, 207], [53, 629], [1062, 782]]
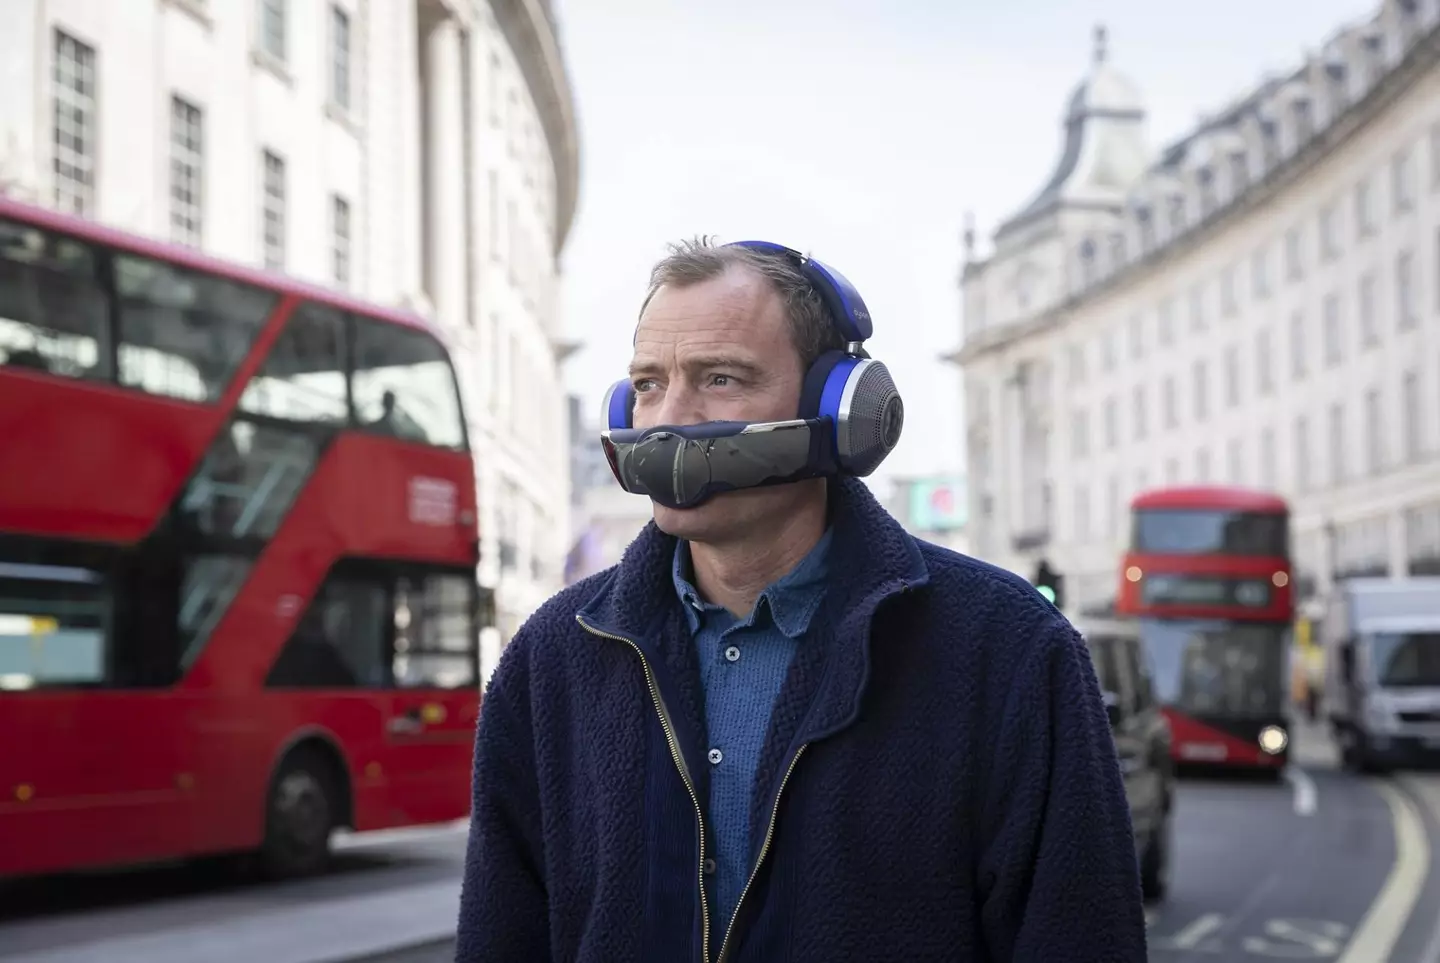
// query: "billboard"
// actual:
[[936, 504]]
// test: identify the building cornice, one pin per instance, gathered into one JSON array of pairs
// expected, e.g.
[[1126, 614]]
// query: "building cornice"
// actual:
[[531, 35], [1419, 60]]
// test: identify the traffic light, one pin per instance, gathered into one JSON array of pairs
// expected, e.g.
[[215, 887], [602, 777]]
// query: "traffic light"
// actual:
[[1050, 584]]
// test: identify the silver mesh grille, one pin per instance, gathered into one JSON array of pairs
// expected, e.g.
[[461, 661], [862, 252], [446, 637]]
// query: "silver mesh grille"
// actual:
[[875, 412]]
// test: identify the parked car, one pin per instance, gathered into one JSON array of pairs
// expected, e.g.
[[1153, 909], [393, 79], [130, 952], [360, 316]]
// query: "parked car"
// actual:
[[1142, 744]]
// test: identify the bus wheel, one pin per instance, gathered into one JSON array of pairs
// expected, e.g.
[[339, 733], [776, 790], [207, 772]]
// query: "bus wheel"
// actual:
[[299, 817]]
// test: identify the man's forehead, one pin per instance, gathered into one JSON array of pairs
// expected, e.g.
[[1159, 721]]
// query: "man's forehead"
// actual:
[[733, 300]]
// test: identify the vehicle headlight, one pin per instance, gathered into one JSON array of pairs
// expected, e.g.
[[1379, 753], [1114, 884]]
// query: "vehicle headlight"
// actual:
[[1273, 740]]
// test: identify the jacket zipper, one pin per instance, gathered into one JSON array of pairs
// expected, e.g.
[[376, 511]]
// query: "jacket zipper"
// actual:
[[679, 759], [760, 859]]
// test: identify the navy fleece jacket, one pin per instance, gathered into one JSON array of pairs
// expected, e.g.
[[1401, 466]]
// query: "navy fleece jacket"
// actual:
[[938, 780]]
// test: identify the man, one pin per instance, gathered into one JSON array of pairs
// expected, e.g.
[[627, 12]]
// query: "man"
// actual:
[[781, 729]]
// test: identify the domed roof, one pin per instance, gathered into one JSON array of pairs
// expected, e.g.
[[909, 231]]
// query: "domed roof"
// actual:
[[1104, 152]]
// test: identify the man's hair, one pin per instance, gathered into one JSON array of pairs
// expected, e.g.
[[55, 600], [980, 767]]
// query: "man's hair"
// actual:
[[701, 259]]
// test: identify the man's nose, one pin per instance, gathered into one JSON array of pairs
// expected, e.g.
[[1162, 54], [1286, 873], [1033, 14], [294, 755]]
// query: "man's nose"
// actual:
[[680, 405]]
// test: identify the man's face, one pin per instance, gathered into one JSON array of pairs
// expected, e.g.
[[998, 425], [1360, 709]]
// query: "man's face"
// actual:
[[719, 350]]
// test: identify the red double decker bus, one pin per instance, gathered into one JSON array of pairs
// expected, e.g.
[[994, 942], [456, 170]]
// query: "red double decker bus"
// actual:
[[237, 559], [1208, 575]]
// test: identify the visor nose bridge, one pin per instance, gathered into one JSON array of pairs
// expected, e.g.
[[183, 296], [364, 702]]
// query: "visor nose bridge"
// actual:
[[681, 404]]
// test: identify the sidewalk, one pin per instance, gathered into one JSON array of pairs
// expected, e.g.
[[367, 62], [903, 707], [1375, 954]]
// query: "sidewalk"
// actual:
[[371, 925], [1311, 746]]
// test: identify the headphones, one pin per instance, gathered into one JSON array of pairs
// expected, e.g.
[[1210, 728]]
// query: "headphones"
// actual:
[[850, 417]]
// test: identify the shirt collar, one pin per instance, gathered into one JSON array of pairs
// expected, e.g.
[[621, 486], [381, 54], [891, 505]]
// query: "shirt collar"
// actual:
[[790, 601]]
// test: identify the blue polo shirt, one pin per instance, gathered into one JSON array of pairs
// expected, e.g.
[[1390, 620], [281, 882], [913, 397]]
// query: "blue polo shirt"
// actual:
[[743, 664]]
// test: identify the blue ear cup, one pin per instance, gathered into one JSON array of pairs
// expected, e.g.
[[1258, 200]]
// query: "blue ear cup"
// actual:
[[619, 405], [859, 397]]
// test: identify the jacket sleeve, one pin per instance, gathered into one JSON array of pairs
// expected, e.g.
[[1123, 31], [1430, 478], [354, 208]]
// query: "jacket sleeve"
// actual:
[[503, 903], [1058, 876]]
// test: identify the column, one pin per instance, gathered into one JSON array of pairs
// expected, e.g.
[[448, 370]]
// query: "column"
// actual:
[[445, 266]]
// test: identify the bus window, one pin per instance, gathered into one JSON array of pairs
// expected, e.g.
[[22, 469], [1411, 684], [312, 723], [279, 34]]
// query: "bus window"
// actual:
[[248, 481], [1210, 532], [303, 377], [340, 642], [436, 645], [54, 626], [182, 333], [54, 312], [404, 385]]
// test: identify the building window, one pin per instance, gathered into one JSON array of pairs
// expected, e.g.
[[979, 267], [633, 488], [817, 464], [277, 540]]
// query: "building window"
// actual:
[[340, 239], [1137, 337], [1137, 408], [1165, 322], [1080, 434], [73, 137], [1337, 444], [494, 92], [272, 28], [1406, 313], [1412, 424], [1077, 363], [1329, 232], [339, 57], [1267, 457], [1294, 254], [1334, 340], [1264, 362], [1374, 433], [1169, 402], [1108, 353], [1402, 181], [1197, 308], [1113, 513], [187, 163], [1364, 208], [1369, 329], [1082, 513], [1202, 393], [1229, 296], [1172, 470], [1235, 461], [1260, 273], [1302, 453], [1112, 422], [1232, 376], [1297, 345], [1202, 465], [272, 212], [1435, 157]]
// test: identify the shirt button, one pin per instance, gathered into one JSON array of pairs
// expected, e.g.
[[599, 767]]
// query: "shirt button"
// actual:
[[732, 654], [709, 866], [715, 756]]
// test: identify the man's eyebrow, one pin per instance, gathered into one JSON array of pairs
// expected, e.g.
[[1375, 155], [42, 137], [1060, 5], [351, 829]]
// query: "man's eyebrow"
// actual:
[[705, 361]]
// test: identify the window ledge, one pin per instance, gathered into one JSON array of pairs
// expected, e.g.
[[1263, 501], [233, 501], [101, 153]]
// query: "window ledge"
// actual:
[[272, 64], [343, 117], [197, 9]]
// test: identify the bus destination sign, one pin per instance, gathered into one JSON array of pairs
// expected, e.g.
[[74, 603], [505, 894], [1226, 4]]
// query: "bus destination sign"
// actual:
[[1205, 590]]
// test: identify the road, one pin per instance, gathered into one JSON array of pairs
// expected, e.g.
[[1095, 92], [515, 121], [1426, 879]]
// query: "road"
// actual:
[[1303, 869]]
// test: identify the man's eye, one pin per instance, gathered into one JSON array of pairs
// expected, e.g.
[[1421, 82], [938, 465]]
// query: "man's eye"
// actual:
[[643, 385], [721, 380]]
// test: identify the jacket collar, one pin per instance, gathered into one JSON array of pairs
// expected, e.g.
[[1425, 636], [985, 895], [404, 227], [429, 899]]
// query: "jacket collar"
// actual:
[[871, 558], [788, 603]]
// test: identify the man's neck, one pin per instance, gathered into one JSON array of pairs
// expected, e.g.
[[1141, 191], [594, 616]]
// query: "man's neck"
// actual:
[[733, 574]]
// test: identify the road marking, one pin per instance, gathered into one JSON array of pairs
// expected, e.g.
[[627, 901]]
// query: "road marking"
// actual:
[[1189, 938], [344, 839], [1306, 798], [1381, 925]]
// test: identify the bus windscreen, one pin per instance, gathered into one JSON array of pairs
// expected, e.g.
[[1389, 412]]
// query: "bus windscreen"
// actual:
[[1167, 531]]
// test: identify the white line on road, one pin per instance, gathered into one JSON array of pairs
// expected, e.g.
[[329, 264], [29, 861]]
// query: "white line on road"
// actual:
[[1379, 929], [1304, 786], [344, 839], [1191, 936]]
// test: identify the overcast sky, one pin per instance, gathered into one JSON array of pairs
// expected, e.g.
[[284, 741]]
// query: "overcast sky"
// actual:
[[862, 130]]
